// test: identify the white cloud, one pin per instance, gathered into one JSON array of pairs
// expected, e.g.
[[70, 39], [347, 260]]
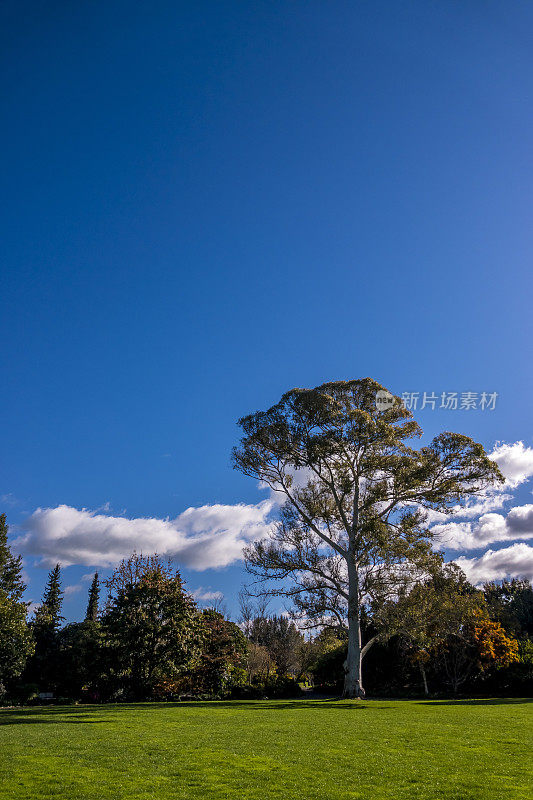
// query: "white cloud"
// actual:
[[489, 528], [515, 462], [520, 521], [206, 595], [483, 503], [199, 538], [213, 535], [69, 590], [515, 561]]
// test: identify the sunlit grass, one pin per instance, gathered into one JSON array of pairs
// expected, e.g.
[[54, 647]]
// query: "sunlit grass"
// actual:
[[270, 749]]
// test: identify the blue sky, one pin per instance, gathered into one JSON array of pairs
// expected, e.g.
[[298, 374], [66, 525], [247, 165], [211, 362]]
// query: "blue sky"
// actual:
[[207, 204]]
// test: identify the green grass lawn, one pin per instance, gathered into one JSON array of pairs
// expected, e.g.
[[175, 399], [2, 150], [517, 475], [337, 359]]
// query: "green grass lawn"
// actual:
[[270, 749]]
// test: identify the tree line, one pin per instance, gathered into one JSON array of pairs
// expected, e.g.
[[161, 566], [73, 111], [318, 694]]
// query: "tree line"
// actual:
[[351, 553], [149, 640]]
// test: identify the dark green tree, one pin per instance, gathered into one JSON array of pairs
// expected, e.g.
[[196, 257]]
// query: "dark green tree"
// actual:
[[43, 667], [50, 608], [223, 655], [353, 528], [151, 627], [80, 660], [282, 640], [16, 643], [511, 603], [11, 581], [92, 604]]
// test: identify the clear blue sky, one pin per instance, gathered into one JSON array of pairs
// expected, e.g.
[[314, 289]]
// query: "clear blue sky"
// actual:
[[208, 203]]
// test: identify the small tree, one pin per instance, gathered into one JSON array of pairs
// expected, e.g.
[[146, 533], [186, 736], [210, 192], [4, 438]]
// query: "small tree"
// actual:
[[259, 664], [352, 531], [430, 614], [223, 655], [79, 660], [282, 640], [479, 644]]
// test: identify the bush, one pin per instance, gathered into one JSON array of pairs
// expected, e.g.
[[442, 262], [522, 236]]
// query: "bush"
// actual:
[[282, 686]]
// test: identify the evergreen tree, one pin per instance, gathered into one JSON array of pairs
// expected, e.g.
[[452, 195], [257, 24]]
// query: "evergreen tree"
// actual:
[[79, 661], [92, 605], [15, 638], [53, 599], [43, 667], [10, 566]]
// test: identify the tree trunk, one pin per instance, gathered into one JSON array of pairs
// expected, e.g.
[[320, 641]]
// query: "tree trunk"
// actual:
[[353, 685], [424, 678]]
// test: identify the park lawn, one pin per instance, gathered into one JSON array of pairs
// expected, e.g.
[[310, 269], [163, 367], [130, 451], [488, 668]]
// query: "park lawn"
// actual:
[[257, 750]]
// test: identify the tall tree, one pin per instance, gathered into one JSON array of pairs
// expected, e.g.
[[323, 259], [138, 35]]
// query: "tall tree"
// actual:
[[15, 639], [11, 581], [92, 603], [50, 608], [151, 626], [79, 660], [282, 640], [352, 530], [43, 666]]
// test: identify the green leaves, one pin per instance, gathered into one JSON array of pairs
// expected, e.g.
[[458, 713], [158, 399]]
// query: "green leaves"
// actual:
[[151, 626]]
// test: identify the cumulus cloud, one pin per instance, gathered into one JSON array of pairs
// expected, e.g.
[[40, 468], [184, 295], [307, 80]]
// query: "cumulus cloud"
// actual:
[[199, 538], [213, 535], [482, 503], [489, 528], [515, 462], [515, 561]]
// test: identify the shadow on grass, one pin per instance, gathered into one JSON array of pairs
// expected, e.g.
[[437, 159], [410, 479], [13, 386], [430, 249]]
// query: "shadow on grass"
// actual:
[[41, 717], [275, 705], [91, 714], [487, 701]]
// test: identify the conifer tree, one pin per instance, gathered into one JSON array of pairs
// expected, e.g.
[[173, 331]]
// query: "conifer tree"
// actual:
[[92, 604], [43, 667], [53, 599], [10, 566], [15, 638]]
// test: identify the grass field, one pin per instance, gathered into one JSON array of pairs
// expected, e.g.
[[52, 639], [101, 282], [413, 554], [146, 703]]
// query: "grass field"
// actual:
[[286, 749]]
